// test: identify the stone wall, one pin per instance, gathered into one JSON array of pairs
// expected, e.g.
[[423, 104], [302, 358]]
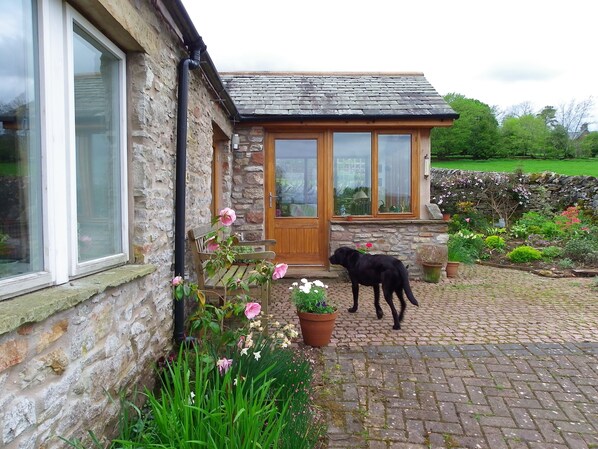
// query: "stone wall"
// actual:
[[248, 183], [549, 190], [56, 373], [399, 238]]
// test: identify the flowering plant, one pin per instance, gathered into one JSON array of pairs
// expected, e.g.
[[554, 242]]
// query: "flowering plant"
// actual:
[[363, 249], [311, 297], [209, 318]]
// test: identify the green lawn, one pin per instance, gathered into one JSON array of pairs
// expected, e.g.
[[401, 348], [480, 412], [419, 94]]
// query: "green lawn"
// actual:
[[587, 167], [8, 169]]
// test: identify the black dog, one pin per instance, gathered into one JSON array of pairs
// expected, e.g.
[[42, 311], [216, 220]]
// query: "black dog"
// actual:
[[373, 270]]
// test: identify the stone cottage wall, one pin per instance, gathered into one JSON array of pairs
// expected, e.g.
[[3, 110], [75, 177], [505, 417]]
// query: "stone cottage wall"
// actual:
[[57, 372], [398, 238], [248, 182]]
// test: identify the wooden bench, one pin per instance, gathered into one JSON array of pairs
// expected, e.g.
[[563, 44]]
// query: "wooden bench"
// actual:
[[214, 286]]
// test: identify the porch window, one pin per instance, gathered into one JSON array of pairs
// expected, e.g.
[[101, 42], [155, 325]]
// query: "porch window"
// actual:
[[361, 190], [62, 148]]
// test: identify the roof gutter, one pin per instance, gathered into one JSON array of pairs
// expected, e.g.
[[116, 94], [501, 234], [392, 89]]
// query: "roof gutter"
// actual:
[[341, 118]]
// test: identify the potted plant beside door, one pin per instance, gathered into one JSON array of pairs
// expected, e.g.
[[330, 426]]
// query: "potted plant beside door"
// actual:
[[317, 314]]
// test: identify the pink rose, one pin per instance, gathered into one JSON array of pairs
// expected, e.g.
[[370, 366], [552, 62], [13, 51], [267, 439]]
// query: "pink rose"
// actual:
[[468, 220], [212, 245], [279, 271], [177, 280], [224, 364], [252, 309], [368, 245], [227, 216]]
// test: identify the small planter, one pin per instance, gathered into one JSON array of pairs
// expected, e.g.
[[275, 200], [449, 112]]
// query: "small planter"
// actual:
[[432, 272], [452, 269], [317, 328]]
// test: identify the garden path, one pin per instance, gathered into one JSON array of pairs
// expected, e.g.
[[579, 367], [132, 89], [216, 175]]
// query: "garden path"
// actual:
[[496, 358]]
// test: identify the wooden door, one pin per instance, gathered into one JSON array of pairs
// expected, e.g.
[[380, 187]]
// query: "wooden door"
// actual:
[[295, 198]]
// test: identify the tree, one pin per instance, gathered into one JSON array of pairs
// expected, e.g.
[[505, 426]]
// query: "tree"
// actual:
[[474, 133], [589, 144], [573, 115], [525, 136]]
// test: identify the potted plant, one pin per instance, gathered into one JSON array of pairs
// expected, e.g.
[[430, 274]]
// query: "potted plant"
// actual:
[[316, 313], [455, 250], [432, 258], [463, 247]]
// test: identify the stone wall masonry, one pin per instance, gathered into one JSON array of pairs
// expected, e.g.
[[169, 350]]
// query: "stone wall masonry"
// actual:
[[248, 183], [55, 375], [396, 238], [549, 190]]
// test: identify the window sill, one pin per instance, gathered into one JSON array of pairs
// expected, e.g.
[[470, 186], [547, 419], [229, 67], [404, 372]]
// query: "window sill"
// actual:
[[37, 306]]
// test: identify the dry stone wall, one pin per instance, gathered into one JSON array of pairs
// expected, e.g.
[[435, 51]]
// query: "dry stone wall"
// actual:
[[549, 190]]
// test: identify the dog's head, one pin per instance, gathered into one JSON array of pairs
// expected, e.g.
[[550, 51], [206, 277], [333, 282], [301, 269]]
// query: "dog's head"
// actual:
[[344, 256]]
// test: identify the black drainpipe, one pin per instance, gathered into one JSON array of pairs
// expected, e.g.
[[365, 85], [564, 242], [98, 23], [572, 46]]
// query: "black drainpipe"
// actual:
[[185, 66]]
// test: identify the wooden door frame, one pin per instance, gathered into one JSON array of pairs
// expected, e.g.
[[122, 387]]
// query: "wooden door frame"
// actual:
[[323, 183]]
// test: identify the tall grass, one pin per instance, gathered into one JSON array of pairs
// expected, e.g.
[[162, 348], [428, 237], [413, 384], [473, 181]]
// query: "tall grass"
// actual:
[[260, 402]]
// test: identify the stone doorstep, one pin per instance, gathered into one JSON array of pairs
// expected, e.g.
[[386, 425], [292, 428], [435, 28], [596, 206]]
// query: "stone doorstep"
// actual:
[[298, 272]]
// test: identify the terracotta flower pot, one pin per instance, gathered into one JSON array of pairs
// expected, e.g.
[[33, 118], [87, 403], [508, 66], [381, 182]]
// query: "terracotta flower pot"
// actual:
[[452, 268], [317, 328], [432, 272]]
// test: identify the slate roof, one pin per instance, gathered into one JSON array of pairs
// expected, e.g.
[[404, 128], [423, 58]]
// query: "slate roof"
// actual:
[[274, 95]]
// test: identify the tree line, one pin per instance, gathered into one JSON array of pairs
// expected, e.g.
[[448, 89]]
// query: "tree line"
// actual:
[[482, 132]]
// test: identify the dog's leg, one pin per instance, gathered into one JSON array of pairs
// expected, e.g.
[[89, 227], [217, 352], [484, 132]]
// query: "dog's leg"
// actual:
[[388, 291], [403, 304], [355, 288], [379, 312]]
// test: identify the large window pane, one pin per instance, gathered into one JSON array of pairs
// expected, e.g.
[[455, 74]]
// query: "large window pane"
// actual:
[[21, 245], [97, 128], [394, 173], [296, 178], [352, 162]]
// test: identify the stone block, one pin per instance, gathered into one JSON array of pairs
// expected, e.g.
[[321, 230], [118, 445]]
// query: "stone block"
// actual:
[[19, 415], [47, 338], [12, 353]]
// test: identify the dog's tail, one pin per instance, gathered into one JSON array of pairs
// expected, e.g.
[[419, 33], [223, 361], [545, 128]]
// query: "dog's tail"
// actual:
[[406, 286]]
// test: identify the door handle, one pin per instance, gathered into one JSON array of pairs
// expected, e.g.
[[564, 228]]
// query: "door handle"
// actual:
[[271, 196]]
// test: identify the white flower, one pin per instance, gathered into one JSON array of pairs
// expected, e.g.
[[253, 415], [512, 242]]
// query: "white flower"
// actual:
[[276, 323], [318, 283], [244, 351], [304, 281], [295, 284], [257, 355]]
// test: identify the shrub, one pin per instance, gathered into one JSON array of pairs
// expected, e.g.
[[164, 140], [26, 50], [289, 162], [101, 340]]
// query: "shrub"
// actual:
[[523, 254], [495, 242], [565, 263], [536, 223], [465, 246], [582, 249], [550, 252]]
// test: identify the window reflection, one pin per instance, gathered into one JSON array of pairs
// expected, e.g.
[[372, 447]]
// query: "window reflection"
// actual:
[[97, 121], [21, 245], [352, 159], [296, 178]]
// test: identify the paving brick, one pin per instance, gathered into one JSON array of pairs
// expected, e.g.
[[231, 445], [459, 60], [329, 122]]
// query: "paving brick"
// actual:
[[463, 373]]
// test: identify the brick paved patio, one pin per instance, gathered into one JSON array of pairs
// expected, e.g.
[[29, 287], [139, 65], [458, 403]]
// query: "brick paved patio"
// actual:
[[494, 359]]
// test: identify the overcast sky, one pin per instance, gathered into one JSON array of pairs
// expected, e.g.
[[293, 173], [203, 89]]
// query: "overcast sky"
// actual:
[[500, 52]]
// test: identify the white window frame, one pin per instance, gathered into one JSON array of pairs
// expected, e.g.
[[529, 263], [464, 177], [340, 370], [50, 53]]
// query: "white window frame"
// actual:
[[57, 139], [76, 268]]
